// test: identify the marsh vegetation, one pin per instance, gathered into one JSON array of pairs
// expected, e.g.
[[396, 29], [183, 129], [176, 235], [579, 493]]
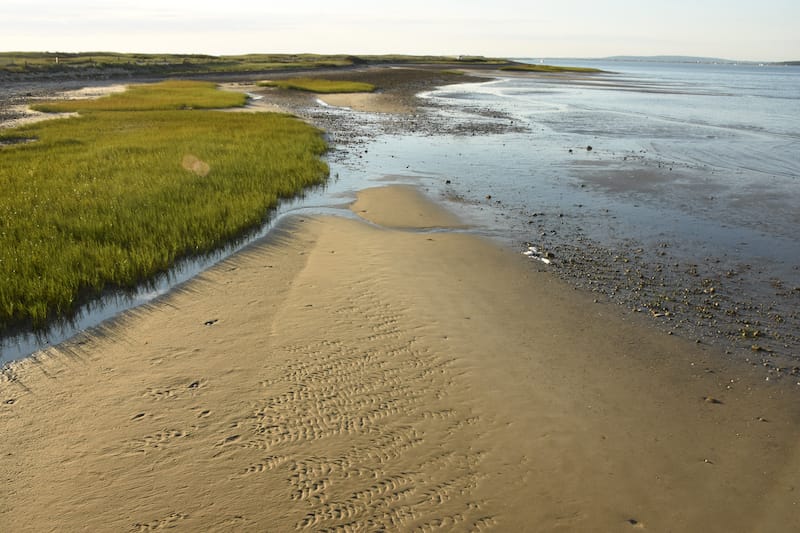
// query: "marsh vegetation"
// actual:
[[137, 181], [34, 65]]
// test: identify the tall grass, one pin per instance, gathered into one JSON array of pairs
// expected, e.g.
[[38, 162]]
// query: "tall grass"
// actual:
[[111, 198], [321, 86]]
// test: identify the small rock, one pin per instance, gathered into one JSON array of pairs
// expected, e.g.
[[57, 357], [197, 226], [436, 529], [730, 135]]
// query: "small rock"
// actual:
[[709, 399]]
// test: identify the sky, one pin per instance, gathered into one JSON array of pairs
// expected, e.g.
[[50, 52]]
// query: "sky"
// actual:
[[765, 30]]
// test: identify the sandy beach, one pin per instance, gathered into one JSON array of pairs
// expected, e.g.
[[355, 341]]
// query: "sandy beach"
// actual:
[[390, 374]]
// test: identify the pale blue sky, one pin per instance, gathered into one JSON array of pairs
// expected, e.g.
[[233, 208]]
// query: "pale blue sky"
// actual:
[[763, 30]]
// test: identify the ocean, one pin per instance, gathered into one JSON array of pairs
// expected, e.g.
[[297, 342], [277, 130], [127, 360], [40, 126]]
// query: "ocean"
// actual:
[[669, 189]]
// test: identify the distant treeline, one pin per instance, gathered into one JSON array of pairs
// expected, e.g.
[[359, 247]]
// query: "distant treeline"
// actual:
[[26, 65]]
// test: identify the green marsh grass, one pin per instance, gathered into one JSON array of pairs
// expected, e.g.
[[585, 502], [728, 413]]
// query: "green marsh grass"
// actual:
[[166, 95], [320, 86], [111, 198]]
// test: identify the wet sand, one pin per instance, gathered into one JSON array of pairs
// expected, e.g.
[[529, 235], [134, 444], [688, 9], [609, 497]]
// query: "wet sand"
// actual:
[[349, 375]]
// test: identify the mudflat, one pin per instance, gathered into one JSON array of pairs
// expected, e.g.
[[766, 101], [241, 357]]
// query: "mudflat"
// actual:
[[390, 375]]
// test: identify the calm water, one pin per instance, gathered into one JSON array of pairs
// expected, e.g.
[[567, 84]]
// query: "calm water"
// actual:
[[710, 153], [691, 168], [728, 136]]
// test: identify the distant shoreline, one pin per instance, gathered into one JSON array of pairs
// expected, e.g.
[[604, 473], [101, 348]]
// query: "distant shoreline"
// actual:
[[31, 66]]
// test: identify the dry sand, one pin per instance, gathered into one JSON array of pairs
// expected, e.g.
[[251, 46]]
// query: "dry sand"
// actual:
[[345, 376]]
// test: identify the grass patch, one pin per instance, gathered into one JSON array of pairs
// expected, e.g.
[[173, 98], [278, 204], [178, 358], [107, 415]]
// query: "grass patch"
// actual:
[[166, 95], [320, 86], [551, 69], [111, 198]]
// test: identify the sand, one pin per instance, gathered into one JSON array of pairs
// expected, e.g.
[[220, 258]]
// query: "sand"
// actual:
[[390, 375], [369, 102]]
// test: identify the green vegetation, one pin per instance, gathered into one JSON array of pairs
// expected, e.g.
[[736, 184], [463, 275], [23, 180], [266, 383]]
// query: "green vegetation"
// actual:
[[551, 69], [25, 65], [321, 86], [111, 198], [94, 63], [168, 95]]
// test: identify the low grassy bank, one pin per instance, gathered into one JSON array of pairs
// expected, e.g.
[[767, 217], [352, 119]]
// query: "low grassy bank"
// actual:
[[60, 65], [115, 196], [321, 86]]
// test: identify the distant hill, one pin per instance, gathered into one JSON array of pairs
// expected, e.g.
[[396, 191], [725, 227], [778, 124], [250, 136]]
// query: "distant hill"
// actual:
[[674, 59]]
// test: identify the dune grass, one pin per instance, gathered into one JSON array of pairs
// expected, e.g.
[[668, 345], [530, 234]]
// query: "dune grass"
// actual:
[[321, 86], [551, 69], [111, 198]]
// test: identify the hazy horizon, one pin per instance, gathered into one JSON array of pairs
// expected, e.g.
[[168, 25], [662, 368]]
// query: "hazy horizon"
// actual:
[[507, 28]]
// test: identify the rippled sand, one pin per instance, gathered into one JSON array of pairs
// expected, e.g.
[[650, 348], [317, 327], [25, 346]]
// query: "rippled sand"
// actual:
[[360, 377]]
